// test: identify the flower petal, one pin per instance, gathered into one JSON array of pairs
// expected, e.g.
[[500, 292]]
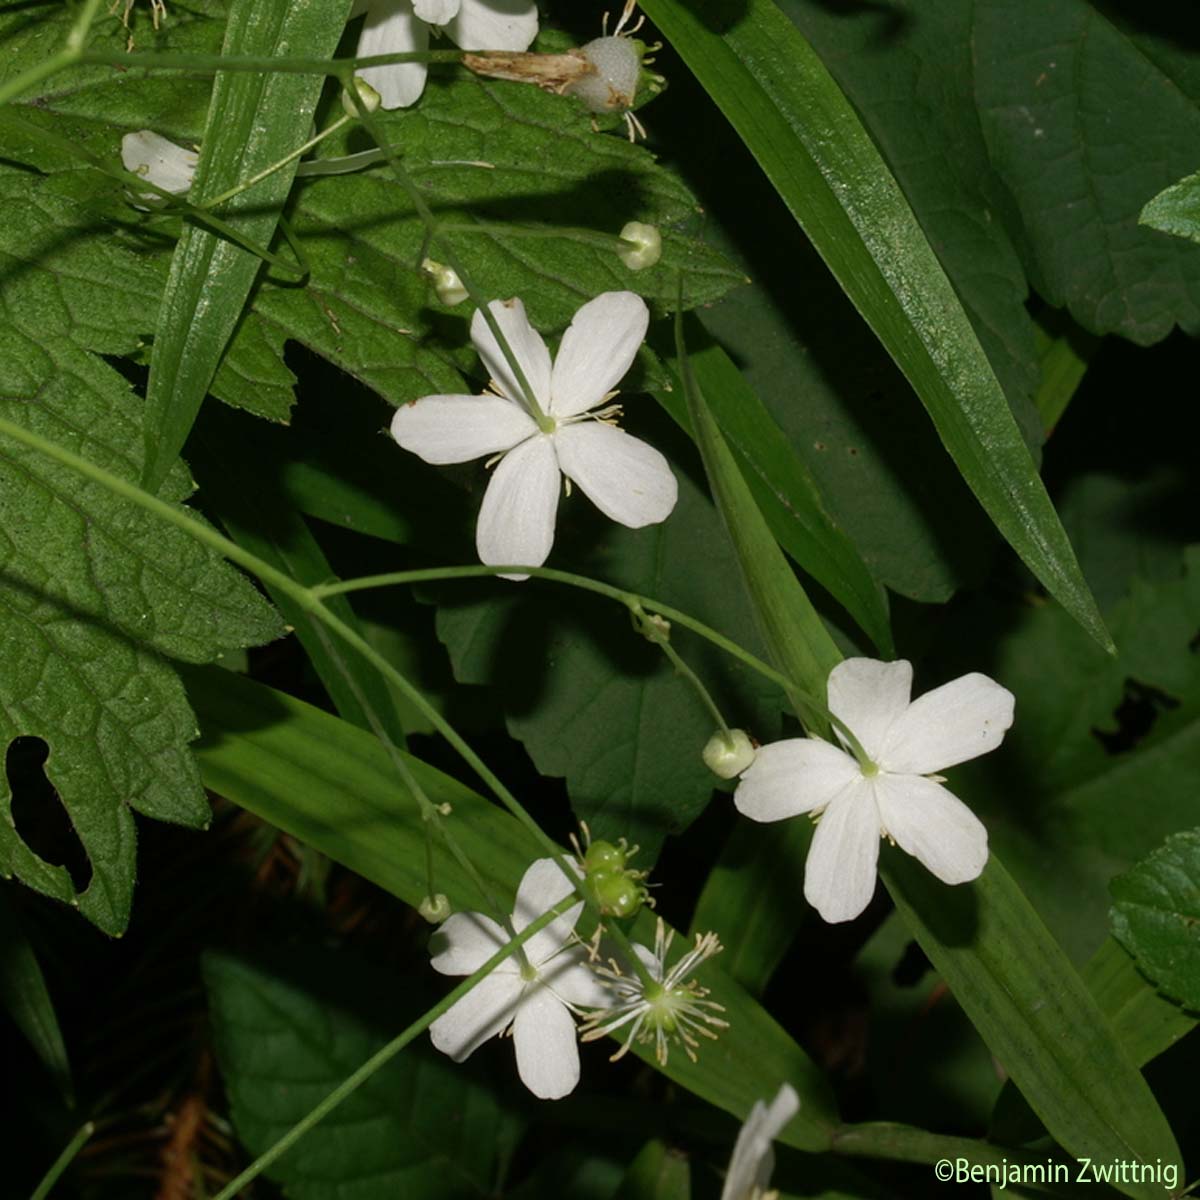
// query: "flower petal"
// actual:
[[753, 1159], [797, 775], [839, 876], [596, 351], [516, 519], [465, 941], [626, 479], [159, 160], [959, 721], [494, 25], [933, 825], [523, 340], [870, 696], [454, 429], [573, 981], [436, 12], [544, 1036], [391, 27], [482, 1013], [542, 886]]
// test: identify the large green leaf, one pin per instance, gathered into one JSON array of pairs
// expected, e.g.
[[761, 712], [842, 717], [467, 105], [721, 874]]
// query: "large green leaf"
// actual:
[[808, 140], [589, 698], [1086, 119], [95, 592], [288, 1028], [254, 120], [1156, 916], [334, 787]]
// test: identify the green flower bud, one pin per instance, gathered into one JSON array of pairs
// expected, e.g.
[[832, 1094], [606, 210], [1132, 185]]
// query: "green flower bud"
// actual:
[[647, 248], [366, 93], [435, 909]]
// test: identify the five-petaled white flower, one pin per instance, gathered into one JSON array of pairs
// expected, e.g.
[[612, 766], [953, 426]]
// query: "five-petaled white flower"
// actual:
[[626, 479], [159, 160], [402, 27], [534, 995], [895, 795], [753, 1158]]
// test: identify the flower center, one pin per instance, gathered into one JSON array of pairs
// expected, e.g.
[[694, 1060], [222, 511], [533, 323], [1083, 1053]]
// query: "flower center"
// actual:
[[869, 769], [529, 972]]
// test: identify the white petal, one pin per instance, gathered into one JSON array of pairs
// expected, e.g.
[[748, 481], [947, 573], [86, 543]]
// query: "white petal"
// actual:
[[572, 980], [933, 825], [482, 1013], [960, 720], [870, 696], [544, 1036], [839, 876], [516, 519], [494, 25], [465, 941], [596, 351], [523, 340], [454, 429], [626, 479], [159, 160], [436, 12], [542, 886], [391, 27], [752, 1161], [797, 775]]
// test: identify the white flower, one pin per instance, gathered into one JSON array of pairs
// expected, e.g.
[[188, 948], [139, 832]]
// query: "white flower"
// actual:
[[626, 479], [402, 27], [159, 160], [896, 796], [672, 1007], [534, 997], [753, 1159]]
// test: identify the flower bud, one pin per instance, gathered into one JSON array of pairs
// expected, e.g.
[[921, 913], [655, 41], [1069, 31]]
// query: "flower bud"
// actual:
[[611, 85], [366, 93], [728, 754], [446, 283], [647, 248], [435, 909]]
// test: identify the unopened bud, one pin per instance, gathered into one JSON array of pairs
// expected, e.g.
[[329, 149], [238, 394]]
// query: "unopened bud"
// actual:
[[435, 909], [728, 754], [366, 93], [647, 247], [446, 283], [611, 85]]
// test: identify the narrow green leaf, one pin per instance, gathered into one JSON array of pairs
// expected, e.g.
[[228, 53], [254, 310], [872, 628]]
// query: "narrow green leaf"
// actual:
[[1064, 351], [333, 786], [1176, 209], [806, 136], [24, 994], [783, 487], [1156, 916], [258, 518], [795, 634], [658, 1173], [1037, 1016], [753, 888], [254, 120]]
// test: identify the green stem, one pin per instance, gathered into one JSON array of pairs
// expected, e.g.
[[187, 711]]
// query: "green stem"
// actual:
[[316, 140], [631, 600], [423, 211], [154, 61], [382, 1057], [63, 1161], [585, 237], [663, 642]]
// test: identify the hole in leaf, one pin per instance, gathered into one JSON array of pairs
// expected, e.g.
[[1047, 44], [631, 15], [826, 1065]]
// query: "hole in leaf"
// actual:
[[38, 813], [912, 965], [1134, 716]]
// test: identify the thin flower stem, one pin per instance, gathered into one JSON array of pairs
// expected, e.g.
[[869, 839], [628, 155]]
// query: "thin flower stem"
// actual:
[[70, 53], [382, 1057], [63, 1161], [316, 140], [664, 644], [631, 600], [149, 60], [566, 233], [447, 251]]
